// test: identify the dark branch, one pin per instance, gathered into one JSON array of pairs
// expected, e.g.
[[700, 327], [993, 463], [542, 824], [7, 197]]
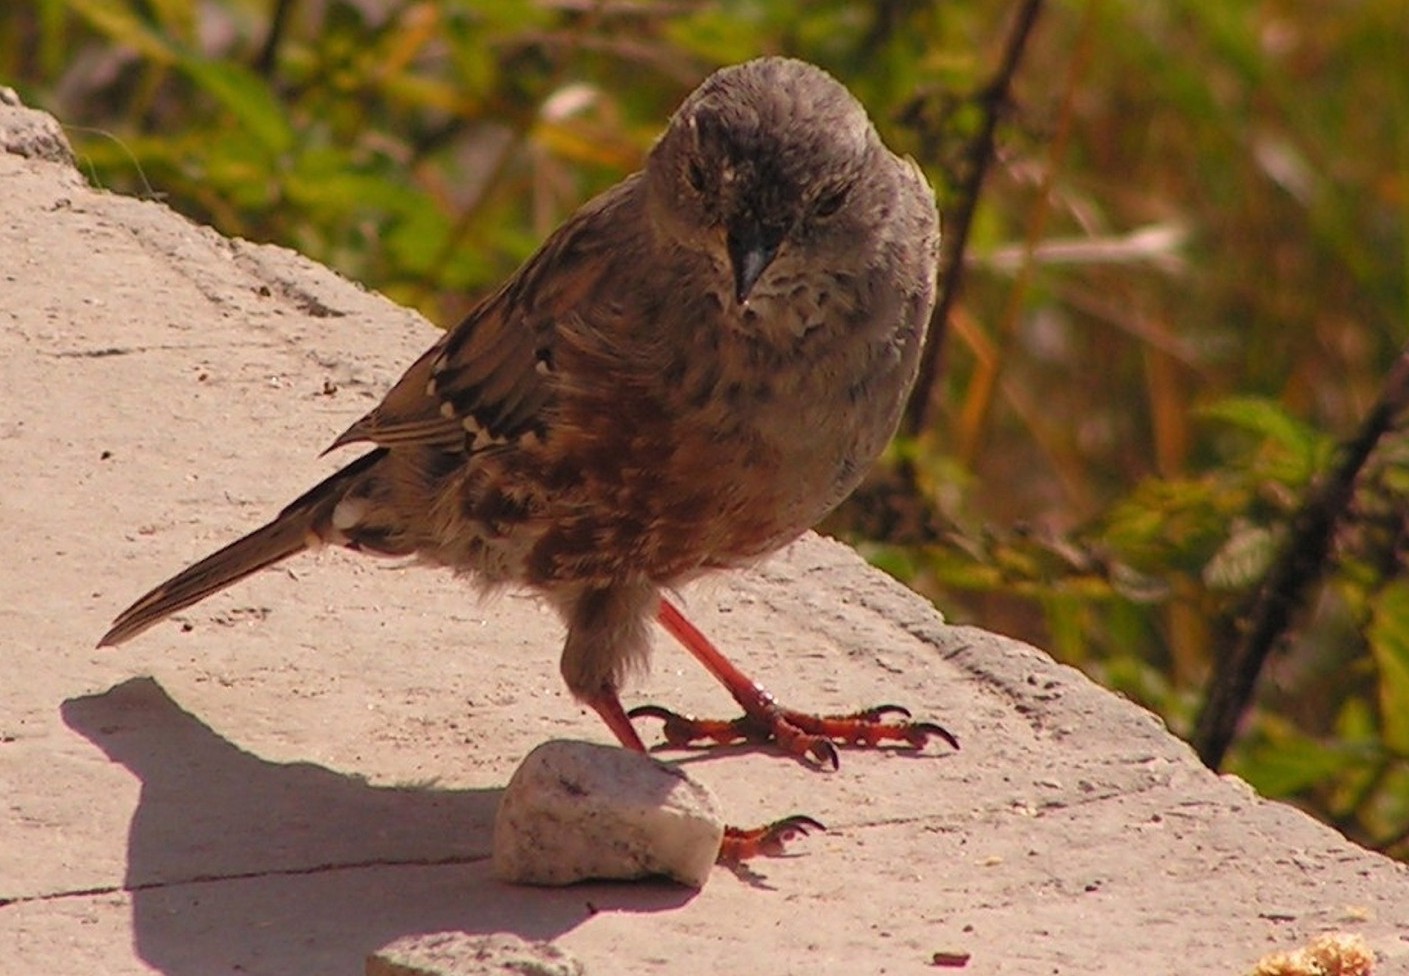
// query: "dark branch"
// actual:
[[1301, 564], [993, 101], [268, 55]]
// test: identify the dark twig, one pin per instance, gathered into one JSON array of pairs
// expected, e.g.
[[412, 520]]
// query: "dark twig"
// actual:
[[269, 52], [1301, 563], [993, 100]]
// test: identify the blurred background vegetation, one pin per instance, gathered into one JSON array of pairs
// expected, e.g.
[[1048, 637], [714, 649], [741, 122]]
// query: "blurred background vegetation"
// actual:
[[1184, 281]]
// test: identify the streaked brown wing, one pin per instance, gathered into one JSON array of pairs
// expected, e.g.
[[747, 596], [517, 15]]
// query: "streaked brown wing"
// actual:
[[489, 380]]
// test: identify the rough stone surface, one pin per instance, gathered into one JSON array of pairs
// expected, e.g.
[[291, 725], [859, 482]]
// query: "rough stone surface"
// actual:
[[305, 769], [26, 132], [457, 954], [576, 811]]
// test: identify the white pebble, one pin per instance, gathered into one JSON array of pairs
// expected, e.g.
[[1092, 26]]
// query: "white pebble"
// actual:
[[578, 810]]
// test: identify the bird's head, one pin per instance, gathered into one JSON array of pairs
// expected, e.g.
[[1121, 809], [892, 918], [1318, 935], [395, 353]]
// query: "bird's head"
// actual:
[[762, 157]]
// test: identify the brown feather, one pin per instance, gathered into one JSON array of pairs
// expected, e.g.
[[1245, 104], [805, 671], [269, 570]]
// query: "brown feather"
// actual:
[[490, 379]]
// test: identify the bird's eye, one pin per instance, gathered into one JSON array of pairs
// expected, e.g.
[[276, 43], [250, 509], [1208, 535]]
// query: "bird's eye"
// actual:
[[694, 173], [830, 203]]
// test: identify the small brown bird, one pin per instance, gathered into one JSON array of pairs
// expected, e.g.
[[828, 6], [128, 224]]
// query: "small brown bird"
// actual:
[[693, 370]]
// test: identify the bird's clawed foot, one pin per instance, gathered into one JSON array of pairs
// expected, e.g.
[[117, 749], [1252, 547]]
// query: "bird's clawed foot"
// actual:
[[768, 841], [800, 734]]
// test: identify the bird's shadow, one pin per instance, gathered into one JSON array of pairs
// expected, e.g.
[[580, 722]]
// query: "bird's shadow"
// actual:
[[239, 864]]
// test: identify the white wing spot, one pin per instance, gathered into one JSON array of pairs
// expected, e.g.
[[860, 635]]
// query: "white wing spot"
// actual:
[[348, 513]]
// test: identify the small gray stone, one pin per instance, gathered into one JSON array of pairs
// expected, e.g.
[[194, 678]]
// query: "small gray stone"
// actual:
[[578, 810], [459, 954]]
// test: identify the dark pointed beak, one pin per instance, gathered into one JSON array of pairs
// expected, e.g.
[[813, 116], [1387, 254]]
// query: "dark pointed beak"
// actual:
[[752, 248]]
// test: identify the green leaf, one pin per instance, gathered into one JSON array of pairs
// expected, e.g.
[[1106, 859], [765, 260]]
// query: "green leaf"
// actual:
[[1389, 644], [1297, 448], [1259, 415], [120, 24], [1243, 559], [1356, 723], [246, 96], [1290, 765], [897, 561], [234, 86]]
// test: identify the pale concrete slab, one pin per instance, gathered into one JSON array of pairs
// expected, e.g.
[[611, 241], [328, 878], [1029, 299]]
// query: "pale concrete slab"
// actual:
[[304, 769]]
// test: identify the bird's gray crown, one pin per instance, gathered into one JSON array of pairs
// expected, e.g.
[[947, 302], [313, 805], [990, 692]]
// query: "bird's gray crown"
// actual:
[[770, 137]]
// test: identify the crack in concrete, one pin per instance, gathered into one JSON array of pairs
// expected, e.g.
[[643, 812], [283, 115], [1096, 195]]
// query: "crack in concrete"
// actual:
[[105, 352], [196, 879], [936, 821]]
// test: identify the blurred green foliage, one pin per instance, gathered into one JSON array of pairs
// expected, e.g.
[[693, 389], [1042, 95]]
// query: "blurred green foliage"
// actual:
[[1186, 279]]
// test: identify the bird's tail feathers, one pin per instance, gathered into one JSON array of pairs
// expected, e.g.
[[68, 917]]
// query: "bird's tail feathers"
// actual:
[[302, 524]]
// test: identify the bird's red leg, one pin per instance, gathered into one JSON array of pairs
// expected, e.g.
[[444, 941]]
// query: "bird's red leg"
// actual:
[[797, 733], [739, 843], [608, 705]]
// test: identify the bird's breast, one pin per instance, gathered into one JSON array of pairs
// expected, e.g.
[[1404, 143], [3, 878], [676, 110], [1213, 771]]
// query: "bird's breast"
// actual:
[[703, 435], [727, 458]]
